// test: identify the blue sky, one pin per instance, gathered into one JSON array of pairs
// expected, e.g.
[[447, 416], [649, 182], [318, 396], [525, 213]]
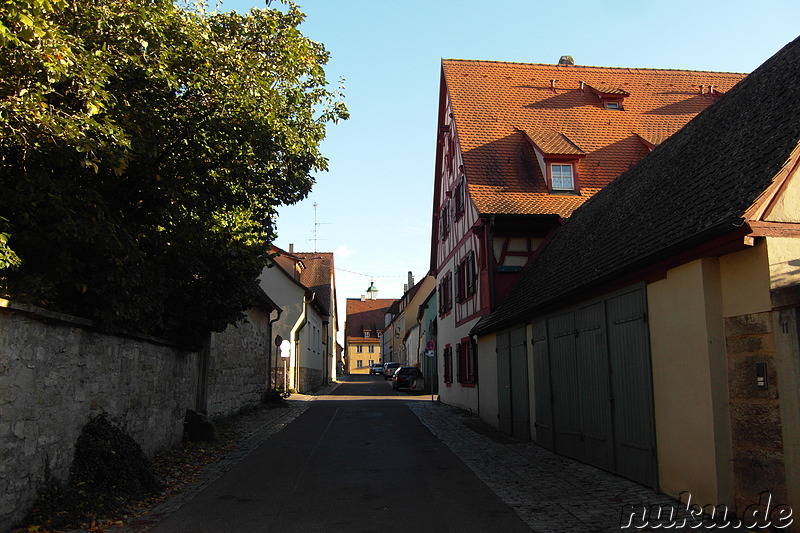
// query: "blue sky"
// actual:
[[374, 204]]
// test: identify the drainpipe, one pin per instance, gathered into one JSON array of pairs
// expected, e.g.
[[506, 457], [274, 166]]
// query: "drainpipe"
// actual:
[[298, 327], [271, 350]]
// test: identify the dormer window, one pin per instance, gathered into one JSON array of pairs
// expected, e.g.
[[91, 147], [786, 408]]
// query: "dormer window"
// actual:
[[558, 160], [610, 97], [366, 334], [562, 177]]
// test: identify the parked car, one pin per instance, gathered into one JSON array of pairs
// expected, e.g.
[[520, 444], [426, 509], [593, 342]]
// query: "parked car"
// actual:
[[376, 369], [405, 376], [389, 368]]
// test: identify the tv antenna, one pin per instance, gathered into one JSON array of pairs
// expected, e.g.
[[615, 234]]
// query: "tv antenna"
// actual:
[[314, 232]]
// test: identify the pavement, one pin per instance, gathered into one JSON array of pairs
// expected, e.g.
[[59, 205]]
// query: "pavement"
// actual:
[[550, 493]]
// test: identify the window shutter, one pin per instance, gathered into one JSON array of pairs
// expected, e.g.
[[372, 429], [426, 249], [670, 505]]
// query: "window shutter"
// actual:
[[472, 273], [458, 362]]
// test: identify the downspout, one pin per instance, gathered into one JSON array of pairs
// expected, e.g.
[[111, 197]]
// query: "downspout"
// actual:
[[271, 350], [298, 327]]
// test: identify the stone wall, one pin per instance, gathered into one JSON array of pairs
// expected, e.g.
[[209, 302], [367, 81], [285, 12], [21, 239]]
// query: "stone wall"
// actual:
[[56, 372], [237, 374], [758, 461]]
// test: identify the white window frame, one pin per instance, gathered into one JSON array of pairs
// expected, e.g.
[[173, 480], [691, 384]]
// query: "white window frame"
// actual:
[[560, 186]]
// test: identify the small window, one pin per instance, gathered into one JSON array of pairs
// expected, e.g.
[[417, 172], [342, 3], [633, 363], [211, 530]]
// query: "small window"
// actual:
[[444, 220], [366, 334], [448, 364], [562, 178], [359, 363], [371, 349], [359, 349], [613, 105]]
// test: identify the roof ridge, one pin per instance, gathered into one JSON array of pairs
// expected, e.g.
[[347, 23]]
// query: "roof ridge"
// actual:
[[571, 67]]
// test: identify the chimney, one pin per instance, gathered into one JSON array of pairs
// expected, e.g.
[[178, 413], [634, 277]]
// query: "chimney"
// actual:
[[566, 61], [410, 279], [363, 297], [405, 288], [291, 247]]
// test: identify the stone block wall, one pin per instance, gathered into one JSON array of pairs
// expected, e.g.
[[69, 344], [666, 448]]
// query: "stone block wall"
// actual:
[[758, 460], [56, 373], [237, 375]]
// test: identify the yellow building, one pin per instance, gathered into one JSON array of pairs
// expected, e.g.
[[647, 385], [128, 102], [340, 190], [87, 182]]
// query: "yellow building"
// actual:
[[363, 326]]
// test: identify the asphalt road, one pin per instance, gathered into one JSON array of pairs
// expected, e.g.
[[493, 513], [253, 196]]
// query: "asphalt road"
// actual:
[[357, 460]]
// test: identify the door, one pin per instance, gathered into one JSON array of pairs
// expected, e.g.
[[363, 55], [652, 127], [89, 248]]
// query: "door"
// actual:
[[513, 410], [541, 385], [504, 416], [631, 383], [518, 363]]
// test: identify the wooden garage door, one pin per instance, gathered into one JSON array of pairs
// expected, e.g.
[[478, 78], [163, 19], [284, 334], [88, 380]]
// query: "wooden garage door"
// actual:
[[593, 386]]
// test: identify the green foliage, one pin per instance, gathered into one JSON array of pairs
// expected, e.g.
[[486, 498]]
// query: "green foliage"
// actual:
[[144, 149]]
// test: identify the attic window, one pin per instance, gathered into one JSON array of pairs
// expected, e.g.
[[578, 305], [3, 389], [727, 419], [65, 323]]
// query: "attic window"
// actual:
[[558, 157], [366, 334], [562, 177], [610, 97]]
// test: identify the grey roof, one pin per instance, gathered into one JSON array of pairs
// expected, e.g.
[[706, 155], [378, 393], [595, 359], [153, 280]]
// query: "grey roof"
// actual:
[[696, 185]]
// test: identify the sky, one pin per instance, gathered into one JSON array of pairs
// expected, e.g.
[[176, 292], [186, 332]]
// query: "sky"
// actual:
[[374, 204]]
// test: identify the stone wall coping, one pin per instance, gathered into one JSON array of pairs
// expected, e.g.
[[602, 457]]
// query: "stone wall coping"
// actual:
[[44, 315]]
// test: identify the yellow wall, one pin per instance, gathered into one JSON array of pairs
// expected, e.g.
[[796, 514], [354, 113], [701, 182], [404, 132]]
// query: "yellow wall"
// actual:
[[784, 261], [785, 207], [690, 382], [745, 281], [365, 357]]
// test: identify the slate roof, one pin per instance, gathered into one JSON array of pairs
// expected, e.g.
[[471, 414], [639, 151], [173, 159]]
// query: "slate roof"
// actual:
[[497, 105], [318, 276], [696, 185], [367, 315]]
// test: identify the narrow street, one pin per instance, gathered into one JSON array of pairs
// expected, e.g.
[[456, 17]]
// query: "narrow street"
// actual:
[[361, 457], [355, 460]]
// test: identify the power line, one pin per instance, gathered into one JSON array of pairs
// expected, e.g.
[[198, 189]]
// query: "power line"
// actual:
[[366, 275]]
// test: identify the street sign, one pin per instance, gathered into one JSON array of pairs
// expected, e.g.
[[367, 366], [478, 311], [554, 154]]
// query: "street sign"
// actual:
[[431, 345]]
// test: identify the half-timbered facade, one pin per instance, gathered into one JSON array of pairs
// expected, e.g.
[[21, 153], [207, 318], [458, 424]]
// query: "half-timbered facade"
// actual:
[[519, 147]]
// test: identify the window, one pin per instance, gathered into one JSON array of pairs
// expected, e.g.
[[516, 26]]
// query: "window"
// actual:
[[371, 349], [371, 362], [448, 364], [359, 363], [465, 356], [445, 293], [444, 220], [459, 199], [613, 105], [466, 278], [359, 349], [561, 177], [366, 334]]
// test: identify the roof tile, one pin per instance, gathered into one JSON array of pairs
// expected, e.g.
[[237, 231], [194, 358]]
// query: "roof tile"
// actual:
[[495, 104]]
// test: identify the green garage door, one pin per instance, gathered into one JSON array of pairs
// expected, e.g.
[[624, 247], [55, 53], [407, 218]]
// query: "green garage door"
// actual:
[[593, 385]]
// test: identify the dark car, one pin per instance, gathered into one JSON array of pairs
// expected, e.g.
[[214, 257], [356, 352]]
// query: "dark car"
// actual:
[[405, 376], [376, 369], [389, 368]]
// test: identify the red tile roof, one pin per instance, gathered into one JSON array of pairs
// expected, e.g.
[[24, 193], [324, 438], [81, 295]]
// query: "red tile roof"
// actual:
[[497, 105], [366, 315], [697, 186], [318, 276]]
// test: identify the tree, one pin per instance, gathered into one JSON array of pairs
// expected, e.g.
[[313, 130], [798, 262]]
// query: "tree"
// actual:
[[144, 149]]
